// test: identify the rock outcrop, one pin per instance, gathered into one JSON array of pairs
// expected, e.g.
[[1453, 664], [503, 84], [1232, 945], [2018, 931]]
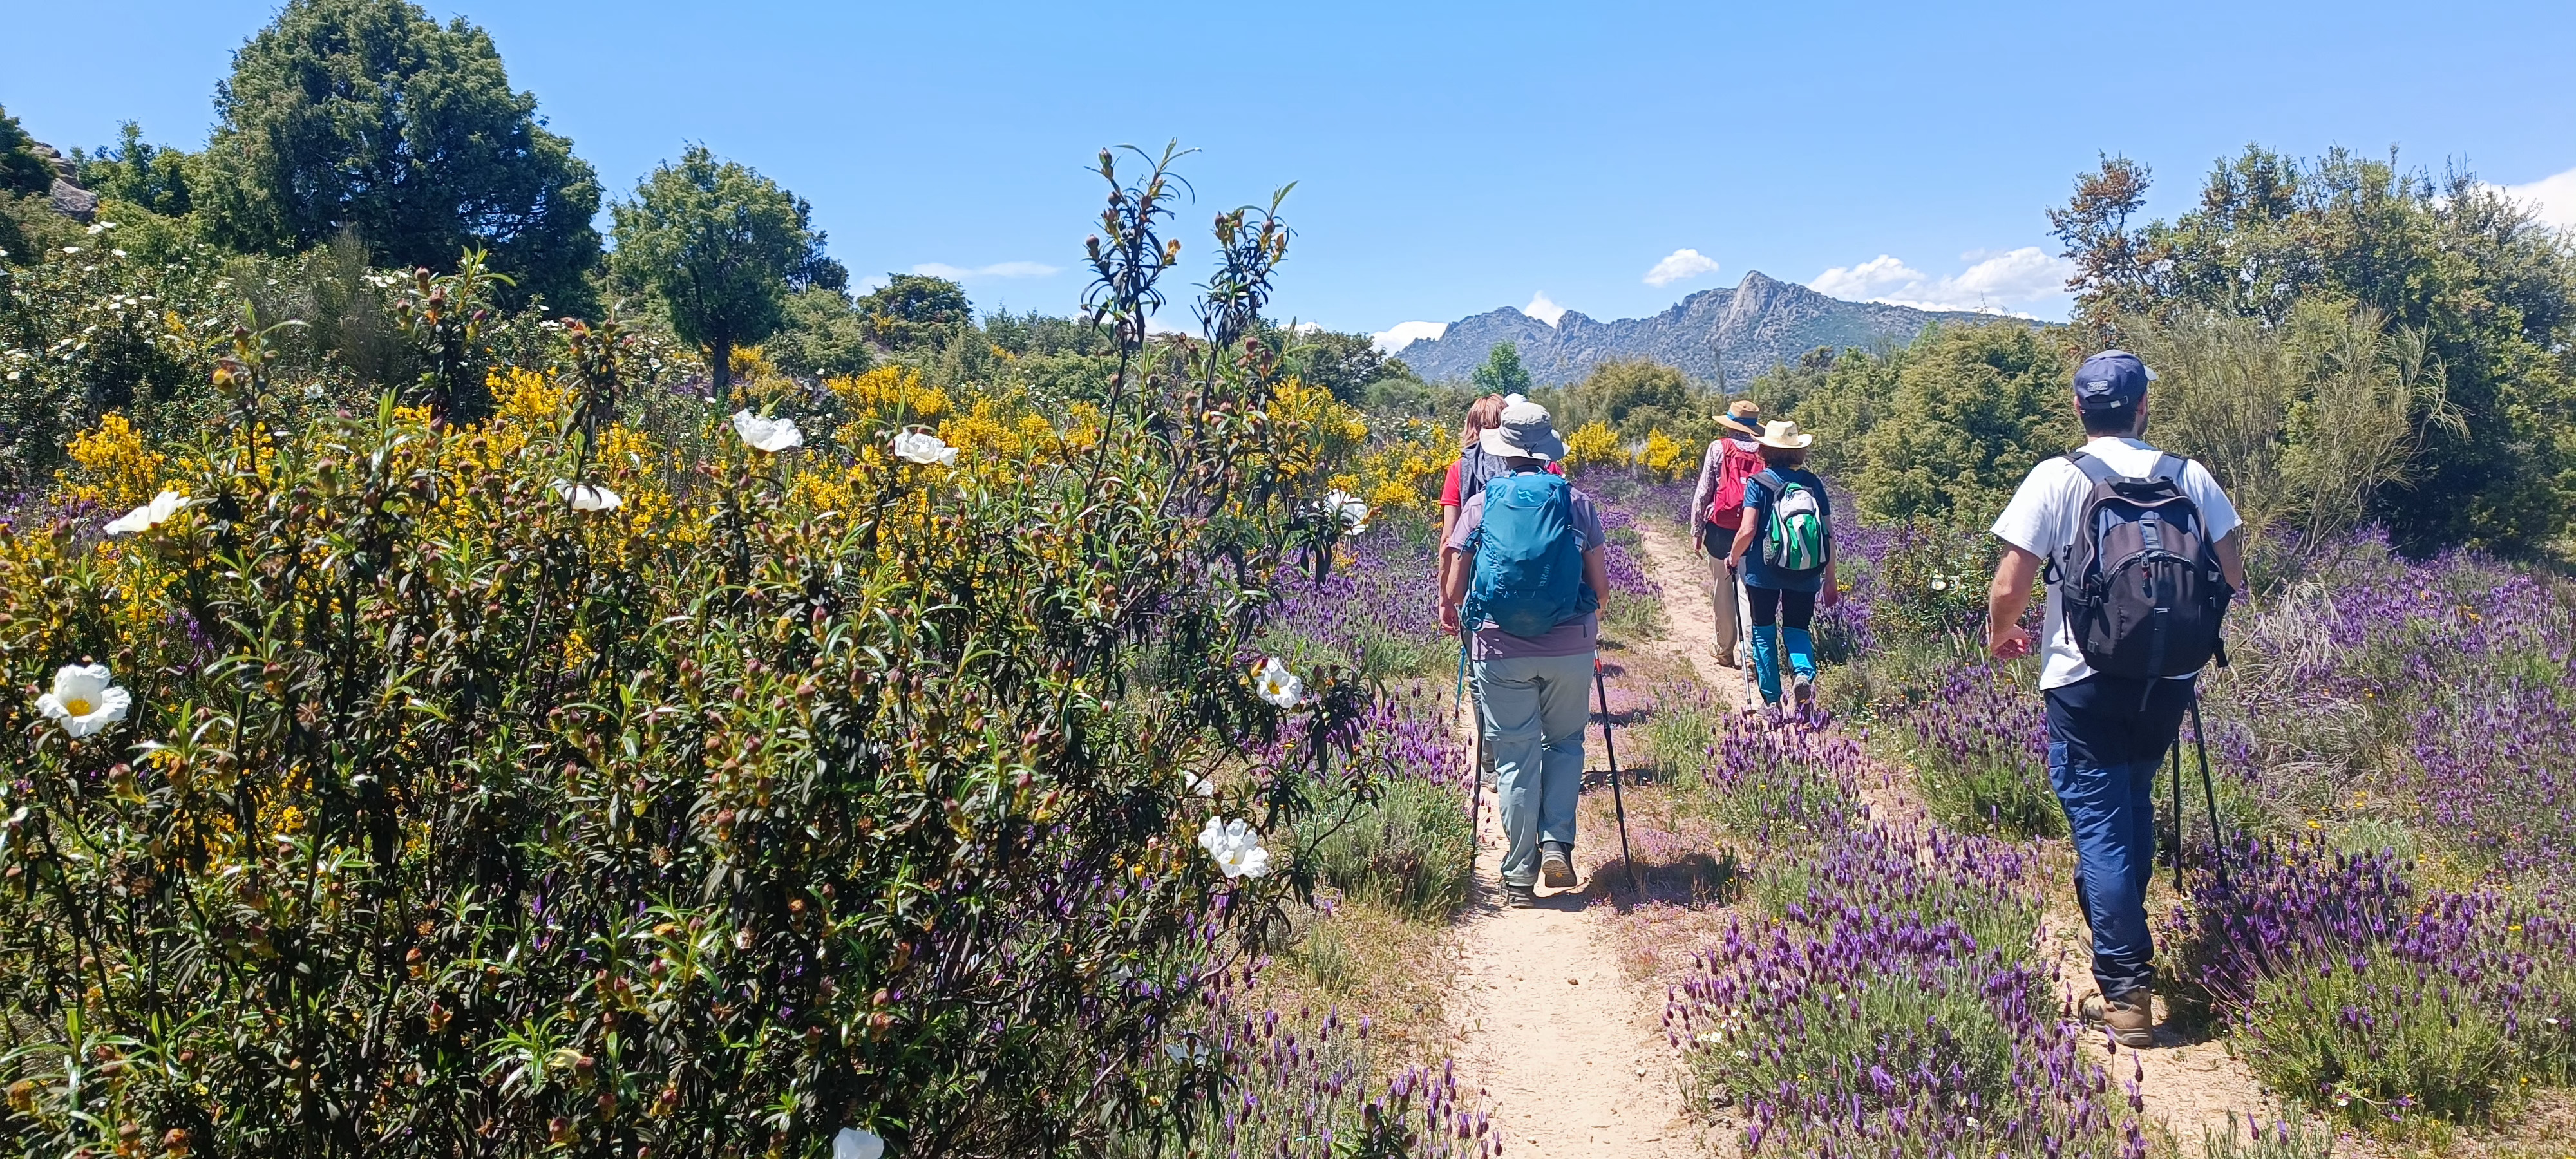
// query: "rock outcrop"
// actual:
[[1759, 324]]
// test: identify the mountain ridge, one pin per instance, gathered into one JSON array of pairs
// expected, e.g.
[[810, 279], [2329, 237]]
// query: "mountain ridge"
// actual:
[[1759, 323]]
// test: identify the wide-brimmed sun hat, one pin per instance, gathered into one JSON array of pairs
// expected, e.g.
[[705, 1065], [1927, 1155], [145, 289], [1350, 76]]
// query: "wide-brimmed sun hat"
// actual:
[[1783, 433], [1526, 432], [1742, 417]]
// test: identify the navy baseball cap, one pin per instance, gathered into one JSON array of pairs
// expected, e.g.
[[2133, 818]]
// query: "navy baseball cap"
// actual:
[[2111, 380]]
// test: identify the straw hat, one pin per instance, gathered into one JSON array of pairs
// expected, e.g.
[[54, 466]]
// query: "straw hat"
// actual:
[[1783, 433], [1740, 417]]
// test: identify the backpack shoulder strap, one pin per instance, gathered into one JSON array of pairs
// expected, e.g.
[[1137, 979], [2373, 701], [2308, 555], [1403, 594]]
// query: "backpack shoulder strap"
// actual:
[[2095, 470], [2168, 468], [1770, 480]]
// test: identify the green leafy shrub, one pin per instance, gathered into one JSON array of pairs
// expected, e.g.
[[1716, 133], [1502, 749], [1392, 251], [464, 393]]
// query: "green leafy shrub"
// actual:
[[1412, 849]]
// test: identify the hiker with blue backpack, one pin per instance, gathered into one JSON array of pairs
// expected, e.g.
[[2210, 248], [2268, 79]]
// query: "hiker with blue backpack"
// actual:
[[2141, 557], [1785, 554], [1524, 568]]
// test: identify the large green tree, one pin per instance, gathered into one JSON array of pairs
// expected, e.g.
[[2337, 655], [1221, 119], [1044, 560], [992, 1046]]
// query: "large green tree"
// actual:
[[1972, 408], [914, 310], [1502, 372], [721, 246], [368, 115], [1632, 396], [2490, 290]]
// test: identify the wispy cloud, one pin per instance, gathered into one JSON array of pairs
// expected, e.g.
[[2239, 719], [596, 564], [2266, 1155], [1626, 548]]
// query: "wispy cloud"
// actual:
[[992, 272], [1398, 336], [1681, 266], [870, 284], [2554, 197], [2014, 282], [1542, 309]]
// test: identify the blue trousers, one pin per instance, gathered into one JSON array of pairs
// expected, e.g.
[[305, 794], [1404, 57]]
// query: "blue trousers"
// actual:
[[1535, 709], [2106, 737]]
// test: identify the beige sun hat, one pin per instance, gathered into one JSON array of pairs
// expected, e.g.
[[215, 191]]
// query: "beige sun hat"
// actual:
[[1741, 417], [1783, 433], [1526, 432]]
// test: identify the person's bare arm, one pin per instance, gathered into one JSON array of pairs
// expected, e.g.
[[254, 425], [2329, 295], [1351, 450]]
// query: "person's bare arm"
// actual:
[[1596, 572], [1833, 591], [2006, 599], [1708, 464], [1453, 585], [2230, 550]]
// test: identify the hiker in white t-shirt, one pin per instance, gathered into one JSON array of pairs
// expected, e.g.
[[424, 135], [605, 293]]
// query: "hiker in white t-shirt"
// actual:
[[2106, 733]]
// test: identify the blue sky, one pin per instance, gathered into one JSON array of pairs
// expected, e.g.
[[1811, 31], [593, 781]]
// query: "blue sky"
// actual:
[[1450, 158]]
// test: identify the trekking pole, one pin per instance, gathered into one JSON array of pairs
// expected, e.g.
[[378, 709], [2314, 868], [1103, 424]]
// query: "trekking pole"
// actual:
[[2208, 792], [2177, 814], [1618, 807], [1744, 639]]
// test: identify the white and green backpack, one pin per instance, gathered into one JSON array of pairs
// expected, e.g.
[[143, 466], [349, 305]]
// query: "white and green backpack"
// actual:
[[1795, 536]]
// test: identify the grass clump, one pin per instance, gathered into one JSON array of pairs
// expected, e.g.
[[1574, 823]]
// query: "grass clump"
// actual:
[[1412, 850]]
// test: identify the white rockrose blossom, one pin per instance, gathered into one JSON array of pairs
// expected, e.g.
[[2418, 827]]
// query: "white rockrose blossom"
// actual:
[[1236, 846], [926, 449], [1352, 510], [1275, 683], [84, 699], [587, 496], [857, 1143], [1199, 786], [767, 434], [150, 515]]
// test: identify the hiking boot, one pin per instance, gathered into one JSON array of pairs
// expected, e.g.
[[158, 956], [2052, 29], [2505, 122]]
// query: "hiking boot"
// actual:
[[1554, 866], [2131, 1017], [1519, 896], [1802, 691]]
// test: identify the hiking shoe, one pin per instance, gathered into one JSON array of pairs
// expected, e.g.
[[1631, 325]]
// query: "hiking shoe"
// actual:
[[1519, 896], [1554, 867], [1803, 690], [2131, 1017]]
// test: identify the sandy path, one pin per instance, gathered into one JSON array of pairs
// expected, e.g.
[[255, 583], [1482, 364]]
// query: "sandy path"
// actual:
[[1568, 1048], [1692, 638]]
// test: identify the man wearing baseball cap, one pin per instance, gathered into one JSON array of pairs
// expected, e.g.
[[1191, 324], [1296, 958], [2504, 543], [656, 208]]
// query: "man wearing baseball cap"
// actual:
[[2107, 733]]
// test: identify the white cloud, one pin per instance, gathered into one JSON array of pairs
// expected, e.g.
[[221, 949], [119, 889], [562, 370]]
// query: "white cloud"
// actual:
[[985, 273], [870, 284], [1681, 266], [1542, 309], [2554, 197], [2013, 282], [1402, 334]]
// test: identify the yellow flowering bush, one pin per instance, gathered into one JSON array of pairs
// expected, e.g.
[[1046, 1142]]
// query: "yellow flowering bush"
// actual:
[[1593, 444], [791, 791]]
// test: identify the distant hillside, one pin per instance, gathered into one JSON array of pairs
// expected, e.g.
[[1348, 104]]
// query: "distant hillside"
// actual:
[[1757, 325]]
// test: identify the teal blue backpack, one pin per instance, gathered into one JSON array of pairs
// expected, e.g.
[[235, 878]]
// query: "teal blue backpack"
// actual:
[[1529, 557]]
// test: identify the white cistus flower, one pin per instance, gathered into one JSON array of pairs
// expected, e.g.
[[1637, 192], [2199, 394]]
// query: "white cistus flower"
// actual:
[[767, 434], [926, 449], [1275, 683], [857, 1143], [587, 496], [84, 699], [1236, 847], [1352, 510], [1198, 786], [150, 515]]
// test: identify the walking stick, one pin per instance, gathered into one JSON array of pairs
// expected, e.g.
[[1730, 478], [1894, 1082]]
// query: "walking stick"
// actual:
[[1618, 807], [2208, 792], [1744, 639], [2177, 814]]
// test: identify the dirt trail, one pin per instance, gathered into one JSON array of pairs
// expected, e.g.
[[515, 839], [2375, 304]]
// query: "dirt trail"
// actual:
[[1568, 1051]]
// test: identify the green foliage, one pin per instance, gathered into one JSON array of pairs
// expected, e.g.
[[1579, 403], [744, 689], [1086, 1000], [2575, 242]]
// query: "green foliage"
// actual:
[[717, 243], [821, 337], [1412, 849], [1973, 408], [22, 169], [1502, 372], [1632, 397], [2304, 421], [1346, 364], [139, 173], [2490, 290], [915, 310], [2288, 1137], [799, 791], [2381, 1039], [1936, 1024], [367, 115]]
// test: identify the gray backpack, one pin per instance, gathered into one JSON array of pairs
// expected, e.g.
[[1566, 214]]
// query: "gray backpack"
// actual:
[[2144, 593]]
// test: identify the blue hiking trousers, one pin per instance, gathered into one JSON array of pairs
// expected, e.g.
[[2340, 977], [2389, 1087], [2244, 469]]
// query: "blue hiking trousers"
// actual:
[[2106, 737]]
